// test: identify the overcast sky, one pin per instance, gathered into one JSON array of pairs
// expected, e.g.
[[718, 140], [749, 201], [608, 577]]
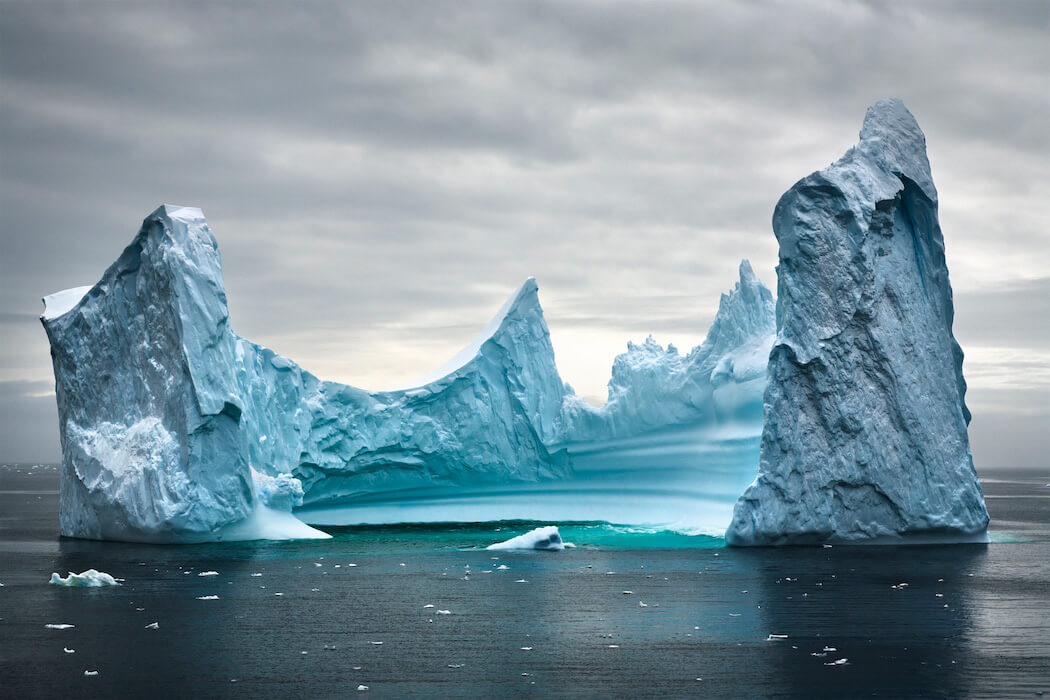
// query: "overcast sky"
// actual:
[[381, 176]]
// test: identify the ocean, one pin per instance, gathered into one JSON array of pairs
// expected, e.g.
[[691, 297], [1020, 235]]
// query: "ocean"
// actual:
[[426, 611]]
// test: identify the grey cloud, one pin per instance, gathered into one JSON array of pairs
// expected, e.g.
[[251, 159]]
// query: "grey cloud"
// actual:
[[379, 173]]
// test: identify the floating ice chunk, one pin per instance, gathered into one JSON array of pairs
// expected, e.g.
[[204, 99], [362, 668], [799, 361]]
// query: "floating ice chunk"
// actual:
[[521, 580], [502, 567], [377, 644], [60, 626], [827, 649], [546, 538], [362, 687], [444, 612], [429, 605], [153, 626], [91, 578], [211, 597], [208, 573], [455, 665], [642, 605], [836, 662], [90, 673], [776, 637], [255, 575], [68, 650]]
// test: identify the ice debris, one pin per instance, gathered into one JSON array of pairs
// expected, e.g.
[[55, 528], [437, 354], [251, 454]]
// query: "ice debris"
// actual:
[[92, 578], [546, 538]]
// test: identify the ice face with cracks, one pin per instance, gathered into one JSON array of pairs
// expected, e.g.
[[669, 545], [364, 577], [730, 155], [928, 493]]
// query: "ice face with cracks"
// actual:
[[175, 429], [864, 436]]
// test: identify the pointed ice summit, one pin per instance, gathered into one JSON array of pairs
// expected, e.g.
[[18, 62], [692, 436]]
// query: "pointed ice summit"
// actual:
[[864, 436]]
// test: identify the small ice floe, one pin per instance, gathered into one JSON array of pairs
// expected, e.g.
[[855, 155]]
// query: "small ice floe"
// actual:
[[776, 637], [819, 654], [733, 615], [256, 575], [68, 650], [521, 580], [377, 644], [455, 665], [92, 578], [502, 567], [428, 605], [545, 538], [444, 612], [362, 687], [59, 626], [612, 646], [642, 605], [899, 586], [90, 673], [526, 648], [827, 649], [827, 546], [207, 597], [208, 573], [153, 626], [628, 592], [836, 662], [278, 594]]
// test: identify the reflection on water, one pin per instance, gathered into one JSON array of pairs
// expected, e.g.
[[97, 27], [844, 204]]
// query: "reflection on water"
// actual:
[[627, 613], [901, 616]]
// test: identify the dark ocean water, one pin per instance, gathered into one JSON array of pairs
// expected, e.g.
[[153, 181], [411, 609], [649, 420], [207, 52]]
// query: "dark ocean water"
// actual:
[[972, 621]]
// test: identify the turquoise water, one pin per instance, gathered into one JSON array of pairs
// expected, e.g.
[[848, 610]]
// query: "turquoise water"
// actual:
[[471, 536]]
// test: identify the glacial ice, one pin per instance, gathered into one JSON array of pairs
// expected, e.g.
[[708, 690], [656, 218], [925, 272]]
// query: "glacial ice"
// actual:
[[175, 429], [546, 538], [92, 578], [865, 422]]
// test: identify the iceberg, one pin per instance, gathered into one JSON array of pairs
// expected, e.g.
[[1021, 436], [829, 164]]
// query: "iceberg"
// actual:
[[719, 381], [546, 538], [176, 429], [91, 578], [864, 438]]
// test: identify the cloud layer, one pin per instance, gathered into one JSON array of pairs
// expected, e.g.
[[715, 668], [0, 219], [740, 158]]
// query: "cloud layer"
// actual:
[[380, 176]]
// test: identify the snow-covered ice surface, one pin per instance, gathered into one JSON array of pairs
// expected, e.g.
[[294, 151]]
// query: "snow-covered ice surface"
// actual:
[[175, 429], [91, 578], [546, 538], [865, 422]]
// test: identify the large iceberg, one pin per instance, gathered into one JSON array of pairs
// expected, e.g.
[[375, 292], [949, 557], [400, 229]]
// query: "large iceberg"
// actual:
[[865, 421], [175, 429]]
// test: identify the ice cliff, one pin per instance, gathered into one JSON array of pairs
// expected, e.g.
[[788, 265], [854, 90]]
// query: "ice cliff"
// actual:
[[175, 429], [865, 422]]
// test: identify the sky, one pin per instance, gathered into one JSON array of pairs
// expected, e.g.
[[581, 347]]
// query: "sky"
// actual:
[[381, 176]]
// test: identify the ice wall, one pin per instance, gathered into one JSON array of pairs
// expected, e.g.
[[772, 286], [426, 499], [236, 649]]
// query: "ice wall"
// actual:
[[865, 421]]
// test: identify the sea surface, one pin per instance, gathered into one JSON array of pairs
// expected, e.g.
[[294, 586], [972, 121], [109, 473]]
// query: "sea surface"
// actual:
[[627, 613]]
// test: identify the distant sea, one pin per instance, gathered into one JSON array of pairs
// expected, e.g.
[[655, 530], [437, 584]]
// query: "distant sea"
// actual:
[[426, 611]]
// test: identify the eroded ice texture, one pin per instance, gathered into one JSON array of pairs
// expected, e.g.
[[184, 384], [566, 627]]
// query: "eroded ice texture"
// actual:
[[719, 381], [865, 422], [175, 429]]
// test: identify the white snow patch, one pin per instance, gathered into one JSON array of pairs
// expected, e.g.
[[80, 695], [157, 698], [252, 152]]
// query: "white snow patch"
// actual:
[[62, 302]]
